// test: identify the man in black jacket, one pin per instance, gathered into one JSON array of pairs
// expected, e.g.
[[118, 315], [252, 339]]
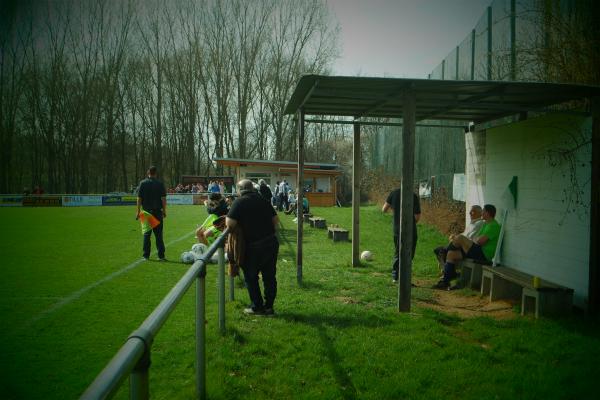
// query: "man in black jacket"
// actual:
[[258, 221], [152, 198]]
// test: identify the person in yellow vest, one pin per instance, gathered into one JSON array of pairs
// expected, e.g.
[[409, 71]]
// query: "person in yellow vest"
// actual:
[[216, 206]]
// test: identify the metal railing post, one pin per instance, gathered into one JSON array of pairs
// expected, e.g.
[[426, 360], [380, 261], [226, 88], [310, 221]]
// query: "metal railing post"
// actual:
[[221, 257], [231, 288], [201, 335], [139, 386]]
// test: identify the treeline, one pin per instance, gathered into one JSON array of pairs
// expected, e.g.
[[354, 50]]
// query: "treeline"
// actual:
[[92, 92]]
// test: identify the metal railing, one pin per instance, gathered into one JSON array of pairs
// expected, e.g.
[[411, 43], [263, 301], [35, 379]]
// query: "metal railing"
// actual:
[[133, 358]]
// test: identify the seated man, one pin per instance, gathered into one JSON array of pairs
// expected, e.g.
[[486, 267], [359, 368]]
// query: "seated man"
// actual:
[[482, 248], [292, 203], [470, 232], [209, 230]]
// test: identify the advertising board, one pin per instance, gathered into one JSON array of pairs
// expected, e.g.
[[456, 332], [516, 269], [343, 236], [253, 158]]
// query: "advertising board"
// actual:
[[81, 201], [119, 200], [180, 199], [11, 201], [42, 201]]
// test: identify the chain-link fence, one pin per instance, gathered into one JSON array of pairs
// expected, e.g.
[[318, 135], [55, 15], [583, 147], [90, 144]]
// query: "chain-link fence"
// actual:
[[518, 40]]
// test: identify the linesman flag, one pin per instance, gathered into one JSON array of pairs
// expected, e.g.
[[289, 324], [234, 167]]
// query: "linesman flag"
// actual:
[[148, 221]]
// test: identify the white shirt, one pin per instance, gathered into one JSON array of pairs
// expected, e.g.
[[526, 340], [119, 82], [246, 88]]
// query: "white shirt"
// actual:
[[473, 228]]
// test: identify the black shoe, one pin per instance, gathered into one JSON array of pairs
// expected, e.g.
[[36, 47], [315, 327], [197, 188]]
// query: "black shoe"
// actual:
[[443, 285], [146, 258], [162, 259], [455, 287], [269, 312]]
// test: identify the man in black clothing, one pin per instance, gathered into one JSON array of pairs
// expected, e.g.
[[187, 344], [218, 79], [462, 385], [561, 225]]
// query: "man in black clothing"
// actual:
[[258, 220], [152, 198], [393, 202]]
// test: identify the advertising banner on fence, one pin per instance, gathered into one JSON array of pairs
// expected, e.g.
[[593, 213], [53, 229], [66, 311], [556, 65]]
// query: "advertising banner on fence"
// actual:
[[42, 201], [184, 199], [11, 201], [81, 201], [119, 200]]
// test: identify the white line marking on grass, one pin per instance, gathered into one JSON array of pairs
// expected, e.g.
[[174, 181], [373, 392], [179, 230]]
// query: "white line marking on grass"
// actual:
[[76, 295]]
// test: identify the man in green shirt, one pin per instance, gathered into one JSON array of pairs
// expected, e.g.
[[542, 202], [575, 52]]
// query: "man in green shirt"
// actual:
[[482, 248]]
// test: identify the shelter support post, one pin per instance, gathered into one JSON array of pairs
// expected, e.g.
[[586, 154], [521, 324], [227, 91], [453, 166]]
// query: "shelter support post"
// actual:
[[594, 272], [300, 194], [356, 197], [406, 204]]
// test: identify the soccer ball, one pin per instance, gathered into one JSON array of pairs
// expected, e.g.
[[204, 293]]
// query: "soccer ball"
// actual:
[[366, 255], [188, 257]]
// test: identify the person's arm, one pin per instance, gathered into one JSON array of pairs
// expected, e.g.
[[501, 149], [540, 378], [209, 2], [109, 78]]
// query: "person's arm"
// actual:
[[386, 207], [230, 223], [139, 206], [417, 217], [275, 222], [481, 240], [164, 206]]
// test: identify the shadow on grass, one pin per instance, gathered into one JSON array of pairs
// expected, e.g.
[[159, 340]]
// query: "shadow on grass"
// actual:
[[311, 285], [321, 322], [286, 249]]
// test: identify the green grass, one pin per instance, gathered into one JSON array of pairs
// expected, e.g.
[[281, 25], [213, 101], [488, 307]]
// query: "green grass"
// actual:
[[338, 336]]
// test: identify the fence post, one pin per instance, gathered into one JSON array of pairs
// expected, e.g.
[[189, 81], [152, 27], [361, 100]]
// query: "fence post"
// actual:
[[221, 256], [139, 387], [201, 334]]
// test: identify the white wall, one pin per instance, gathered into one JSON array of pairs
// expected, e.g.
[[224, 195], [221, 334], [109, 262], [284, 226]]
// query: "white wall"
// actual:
[[547, 234], [275, 175]]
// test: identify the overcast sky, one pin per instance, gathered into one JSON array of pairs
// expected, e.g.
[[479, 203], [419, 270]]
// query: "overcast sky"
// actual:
[[401, 38]]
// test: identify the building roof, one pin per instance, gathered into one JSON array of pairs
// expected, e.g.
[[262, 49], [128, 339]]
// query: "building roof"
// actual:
[[477, 101], [280, 164]]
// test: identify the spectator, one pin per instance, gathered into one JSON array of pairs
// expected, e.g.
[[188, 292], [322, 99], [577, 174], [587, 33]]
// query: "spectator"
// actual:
[[482, 248], [216, 207], [258, 222], [265, 190], [470, 232]]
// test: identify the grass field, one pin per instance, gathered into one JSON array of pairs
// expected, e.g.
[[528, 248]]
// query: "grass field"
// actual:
[[74, 287]]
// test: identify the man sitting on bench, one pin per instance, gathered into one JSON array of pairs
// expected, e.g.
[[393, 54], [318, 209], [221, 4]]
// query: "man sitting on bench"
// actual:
[[481, 248], [470, 232]]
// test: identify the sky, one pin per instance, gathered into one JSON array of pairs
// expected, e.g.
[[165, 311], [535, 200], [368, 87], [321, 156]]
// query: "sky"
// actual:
[[401, 38]]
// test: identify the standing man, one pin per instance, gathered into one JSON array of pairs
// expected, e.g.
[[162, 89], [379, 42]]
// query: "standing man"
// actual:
[[283, 196], [152, 198], [393, 202], [258, 221]]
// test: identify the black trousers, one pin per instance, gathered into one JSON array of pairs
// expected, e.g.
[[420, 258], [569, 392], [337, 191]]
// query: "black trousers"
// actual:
[[263, 260], [396, 259], [158, 235]]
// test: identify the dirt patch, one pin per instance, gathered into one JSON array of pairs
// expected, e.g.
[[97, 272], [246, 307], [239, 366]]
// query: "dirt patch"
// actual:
[[346, 300], [466, 305]]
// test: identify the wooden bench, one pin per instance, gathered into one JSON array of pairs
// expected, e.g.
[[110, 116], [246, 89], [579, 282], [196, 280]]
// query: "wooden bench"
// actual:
[[545, 298], [306, 217], [337, 234], [317, 222], [470, 275]]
